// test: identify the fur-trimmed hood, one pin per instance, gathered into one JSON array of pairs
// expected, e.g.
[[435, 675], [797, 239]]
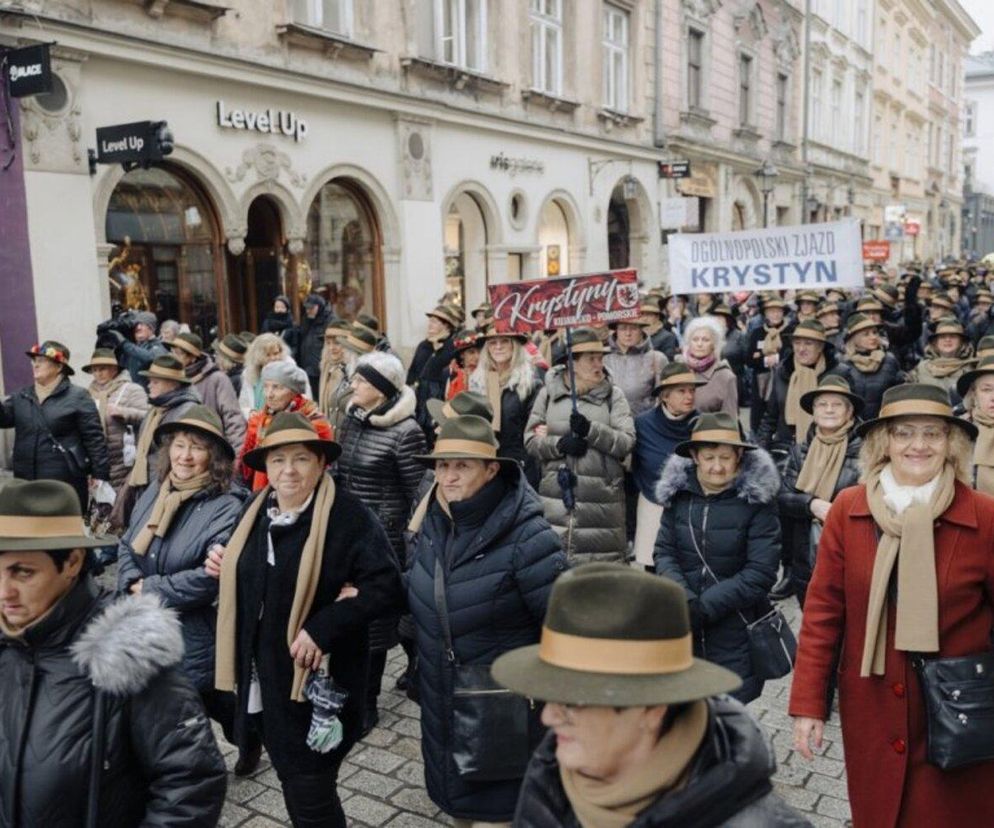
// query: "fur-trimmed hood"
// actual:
[[128, 644], [758, 480]]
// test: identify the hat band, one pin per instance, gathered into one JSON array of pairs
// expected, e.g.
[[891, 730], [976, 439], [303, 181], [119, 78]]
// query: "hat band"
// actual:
[[40, 526], [807, 333], [680, 379], [199, 425], [234, 356], [359, 345], [159, 372], [183, 345], [100, 361], [287, 437], [616, 656], [588, 348], [472, 447], [448, 411], [716, 435], [923, 408]]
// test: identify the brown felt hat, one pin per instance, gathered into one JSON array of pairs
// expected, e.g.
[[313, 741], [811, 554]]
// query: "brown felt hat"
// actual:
[[677, 373], [915, 399], [102, 358], [290, 429], [465, 402], [43, 515], [466, 437], [189, 342], [714, 428], [965, 382], [167, 367], [613, 637], [201, 420]]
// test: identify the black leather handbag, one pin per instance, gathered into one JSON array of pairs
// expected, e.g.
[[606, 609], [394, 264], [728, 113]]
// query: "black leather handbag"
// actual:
[[959, 704], [489, 724]]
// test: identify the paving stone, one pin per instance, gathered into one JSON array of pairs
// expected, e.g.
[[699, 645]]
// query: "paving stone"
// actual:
[[413, 773], [232, 815], [828, 786], [379, 737], [415, 799], [412, 821], [270, 804], [798, 797], [377, 759], [368, 811], [830, 806], [241, 790], [262, 822], [375, 784]]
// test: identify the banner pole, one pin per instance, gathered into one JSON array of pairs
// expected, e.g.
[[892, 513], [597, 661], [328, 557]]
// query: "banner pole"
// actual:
[[569, 367]]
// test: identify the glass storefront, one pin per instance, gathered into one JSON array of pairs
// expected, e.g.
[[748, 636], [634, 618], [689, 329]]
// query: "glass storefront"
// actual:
[[166, 249], [553, 238]]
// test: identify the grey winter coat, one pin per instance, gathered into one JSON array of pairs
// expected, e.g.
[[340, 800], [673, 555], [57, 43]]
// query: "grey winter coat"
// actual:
[[161, 765], [728, 785], [596, 529], [737, 532], [173, 569], [132, 400], [218, 394], [721, 392], [636, 372]]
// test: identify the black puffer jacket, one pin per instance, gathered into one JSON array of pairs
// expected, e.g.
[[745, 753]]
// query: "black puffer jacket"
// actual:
[[429, 374], [871, 387], [728, 786], [161, 764], [774, 433], [173, 569], [738, 534], [500, 561], [312, 343], [795, 513], [68, 415]]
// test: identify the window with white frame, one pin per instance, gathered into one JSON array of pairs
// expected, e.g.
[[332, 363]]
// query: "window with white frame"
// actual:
[[970, 119], [695, 69], [461, 33], [330, 15], [783, 91], [546, 18], [861, 18], [745, 90], [859, 130], [614, 45], [815, 113]]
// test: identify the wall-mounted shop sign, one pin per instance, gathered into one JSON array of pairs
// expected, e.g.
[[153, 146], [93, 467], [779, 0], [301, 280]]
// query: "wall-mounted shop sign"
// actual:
[[516, 165], [674, 169], [267, 121], [29, 70], [137, 143]]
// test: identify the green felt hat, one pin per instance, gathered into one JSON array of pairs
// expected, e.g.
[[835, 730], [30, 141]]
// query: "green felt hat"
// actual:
[[714, 428], [887, 295], [613, 637], [915, 399], [586, 341], [965, 382], [201, 420], [465, 437], [809, 329], [859, 322], [465, 402], [807, 296], [167, 367], [233, 348], [985, 346], [947, 326], [102, 358], [289, 429], [831, 384], [43, 515], [188, 342], [677, 373]]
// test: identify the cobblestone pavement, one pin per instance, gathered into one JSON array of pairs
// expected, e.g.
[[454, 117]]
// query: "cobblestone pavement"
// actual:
[[382, 781]]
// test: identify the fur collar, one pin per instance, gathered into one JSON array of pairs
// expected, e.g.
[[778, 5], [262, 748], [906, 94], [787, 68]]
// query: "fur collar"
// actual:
[[758, 480], [127, 645], [402, 409]]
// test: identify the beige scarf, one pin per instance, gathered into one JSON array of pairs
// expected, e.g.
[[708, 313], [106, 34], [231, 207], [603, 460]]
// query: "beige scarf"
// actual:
[[418, 516], [139, 474], [803, 379], [101, 396], [941, 367], [332, 376], [496, 383], [822, 466], [303, 595], [866, 363], [617, 804], [908, 542], [983, 453], [172, 495], [772, 341]]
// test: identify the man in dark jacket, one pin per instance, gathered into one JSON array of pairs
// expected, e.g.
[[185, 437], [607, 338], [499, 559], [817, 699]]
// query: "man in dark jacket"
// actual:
[[66, 650], [138, 355], [212, 386], [764, 355], [429, 369], [317, 315], [665, 739], [477, 585]]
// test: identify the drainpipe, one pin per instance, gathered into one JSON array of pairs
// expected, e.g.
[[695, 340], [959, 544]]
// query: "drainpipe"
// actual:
[[806, 118], [658, 129]]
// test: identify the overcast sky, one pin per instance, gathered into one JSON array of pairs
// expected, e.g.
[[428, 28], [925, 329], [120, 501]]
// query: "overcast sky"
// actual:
[[982, 11]]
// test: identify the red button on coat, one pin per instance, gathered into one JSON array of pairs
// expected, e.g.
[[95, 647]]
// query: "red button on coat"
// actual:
[[898, 689], [899, 745]]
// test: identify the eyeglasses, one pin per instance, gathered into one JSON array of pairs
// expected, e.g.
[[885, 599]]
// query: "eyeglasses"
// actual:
[[932, 435]]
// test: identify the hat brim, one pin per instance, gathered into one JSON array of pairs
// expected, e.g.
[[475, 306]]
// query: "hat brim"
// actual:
[[256, 459], [171, 428], [683, 449], [523, 672], [965, 382], [185, 347], [429, 459], [435, 408], [152, 375], [51, 544], [698, 382], [865, 428], [66, 368], [88, 369], [521, 337], [808, 399]]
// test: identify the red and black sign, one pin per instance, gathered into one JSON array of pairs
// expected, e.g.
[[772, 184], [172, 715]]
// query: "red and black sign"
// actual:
[[572, 301], [674, 169]]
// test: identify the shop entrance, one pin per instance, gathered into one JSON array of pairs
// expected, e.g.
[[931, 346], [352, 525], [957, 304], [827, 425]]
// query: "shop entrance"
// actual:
[[618, 231], [466, 276], [554, 240], [258, 275], [167, 255]]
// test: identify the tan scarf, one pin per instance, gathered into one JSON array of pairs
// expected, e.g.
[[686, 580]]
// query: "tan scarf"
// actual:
[[332, 376], [866, 363], [303, 594], [496, 383], [803, 379], [772, 341], [907, 541], [617, 804], [941, 367], [139, 474], [172, 495], [983, 452], [418, 516], [822, 466], [101, 396], [711, 489]]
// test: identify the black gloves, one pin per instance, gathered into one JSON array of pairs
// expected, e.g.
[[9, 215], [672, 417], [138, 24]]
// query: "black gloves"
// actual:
[[118, 337], [579, 424], [572, 445], [696, 617]]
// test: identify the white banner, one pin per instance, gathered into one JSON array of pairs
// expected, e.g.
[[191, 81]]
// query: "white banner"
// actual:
[[816, 256], [673, 213]]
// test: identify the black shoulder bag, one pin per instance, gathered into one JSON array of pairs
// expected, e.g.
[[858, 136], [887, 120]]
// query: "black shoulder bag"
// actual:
[[488, 724], [772, 645]]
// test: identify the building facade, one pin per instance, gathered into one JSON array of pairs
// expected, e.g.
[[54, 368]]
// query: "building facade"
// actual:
[[978, 156]]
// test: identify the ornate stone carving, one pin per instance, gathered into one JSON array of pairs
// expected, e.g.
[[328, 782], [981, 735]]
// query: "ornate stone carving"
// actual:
[[236, 245], [414, 137], [51, 125], [750, 25], [269, 163], [701, 9], [786, 46]]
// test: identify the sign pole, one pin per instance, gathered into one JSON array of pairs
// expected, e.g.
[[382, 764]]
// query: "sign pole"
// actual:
[[569, 367]]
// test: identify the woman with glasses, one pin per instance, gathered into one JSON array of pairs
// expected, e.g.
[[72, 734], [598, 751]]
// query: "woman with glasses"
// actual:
[[818, 467], [904, 569]]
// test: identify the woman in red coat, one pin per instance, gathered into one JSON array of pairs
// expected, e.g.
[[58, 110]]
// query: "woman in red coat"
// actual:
[[905, 565]]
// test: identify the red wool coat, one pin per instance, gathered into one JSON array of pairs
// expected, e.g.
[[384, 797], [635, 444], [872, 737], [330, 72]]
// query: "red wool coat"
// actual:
[[883, 717]]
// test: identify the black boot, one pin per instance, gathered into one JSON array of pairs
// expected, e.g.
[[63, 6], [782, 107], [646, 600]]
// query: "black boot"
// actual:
[[783, 588]]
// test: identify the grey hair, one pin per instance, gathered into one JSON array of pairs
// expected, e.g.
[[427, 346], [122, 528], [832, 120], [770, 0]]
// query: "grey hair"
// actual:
[[713, 325], [386, 364], [169, 325]]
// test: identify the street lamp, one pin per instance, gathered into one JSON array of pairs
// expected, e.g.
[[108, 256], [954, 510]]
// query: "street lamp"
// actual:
[[767, 175]]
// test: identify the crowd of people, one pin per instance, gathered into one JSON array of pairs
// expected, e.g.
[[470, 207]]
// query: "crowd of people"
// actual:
[[595, 523]]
